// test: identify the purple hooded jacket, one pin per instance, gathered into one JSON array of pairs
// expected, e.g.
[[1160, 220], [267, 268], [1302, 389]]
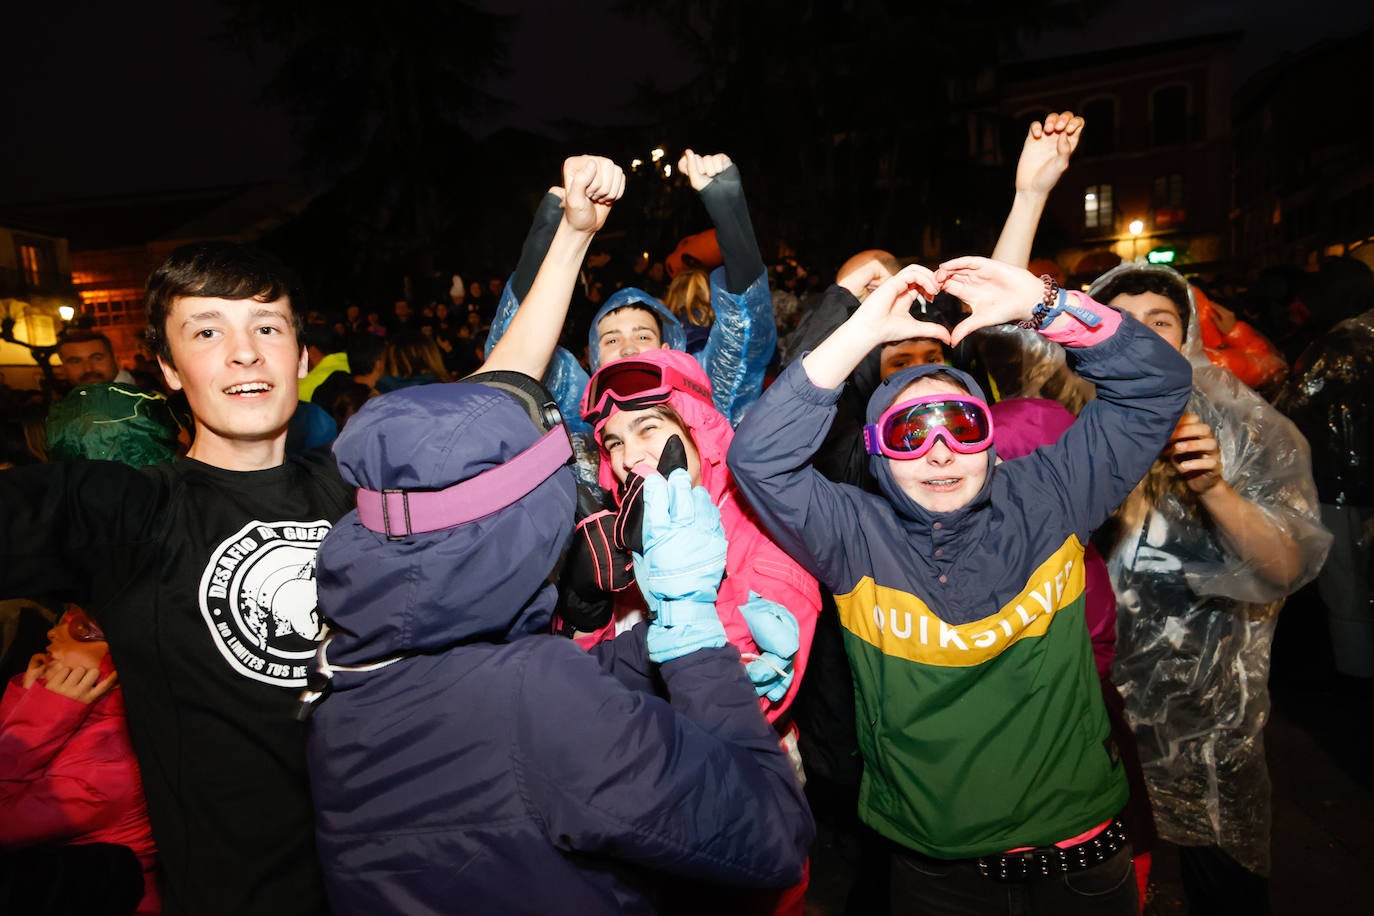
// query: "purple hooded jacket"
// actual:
[[493, 768]]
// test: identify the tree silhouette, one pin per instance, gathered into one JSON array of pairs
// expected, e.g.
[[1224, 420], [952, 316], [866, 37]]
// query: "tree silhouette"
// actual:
[[842, 113], [379, 91]]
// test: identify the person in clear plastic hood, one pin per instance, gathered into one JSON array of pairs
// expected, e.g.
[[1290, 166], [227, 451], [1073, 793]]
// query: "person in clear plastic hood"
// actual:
[[1202, 555]]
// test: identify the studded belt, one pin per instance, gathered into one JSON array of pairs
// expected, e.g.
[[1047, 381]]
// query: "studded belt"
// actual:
[[1044, 861]]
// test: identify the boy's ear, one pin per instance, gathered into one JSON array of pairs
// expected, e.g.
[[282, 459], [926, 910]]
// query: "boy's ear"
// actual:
[[169, 373], [303, 367]]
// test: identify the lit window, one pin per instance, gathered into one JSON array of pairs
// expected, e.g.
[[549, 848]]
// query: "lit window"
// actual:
[[1097, 206]]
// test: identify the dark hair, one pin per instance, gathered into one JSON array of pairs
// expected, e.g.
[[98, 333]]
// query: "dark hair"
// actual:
[[218, 270], [643, 307], [84, 335], [364, 351], [1135, 282]]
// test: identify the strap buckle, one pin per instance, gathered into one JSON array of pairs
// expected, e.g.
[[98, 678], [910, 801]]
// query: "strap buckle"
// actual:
[[403, 511]]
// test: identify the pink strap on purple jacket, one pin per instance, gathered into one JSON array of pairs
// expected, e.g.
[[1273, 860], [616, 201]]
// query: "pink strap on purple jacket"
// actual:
[[401, 513], [1068, 331]]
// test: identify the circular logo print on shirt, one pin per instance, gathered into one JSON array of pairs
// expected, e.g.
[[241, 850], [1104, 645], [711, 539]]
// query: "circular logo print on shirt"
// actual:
[[258, 598]]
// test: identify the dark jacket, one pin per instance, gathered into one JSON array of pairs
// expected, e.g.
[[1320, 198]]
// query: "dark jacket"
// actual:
[[980, 717], [493, 768]]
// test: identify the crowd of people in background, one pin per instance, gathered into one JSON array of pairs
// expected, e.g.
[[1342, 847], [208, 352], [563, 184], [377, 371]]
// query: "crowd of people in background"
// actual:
[[1090, 505]]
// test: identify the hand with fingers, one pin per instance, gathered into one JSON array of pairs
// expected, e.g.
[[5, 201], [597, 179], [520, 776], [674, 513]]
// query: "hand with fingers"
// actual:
[[1193, 451], [994, 292], [865, 278], [701, 169], [38, 666], [591, 184], [81, 684], [680, 568], [886, 311], [1045, 155]]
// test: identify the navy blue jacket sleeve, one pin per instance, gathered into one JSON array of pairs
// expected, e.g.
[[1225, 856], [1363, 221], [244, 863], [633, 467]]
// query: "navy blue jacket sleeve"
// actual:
[[697, 786], [626, 658], [811, 518], [1143, 385]]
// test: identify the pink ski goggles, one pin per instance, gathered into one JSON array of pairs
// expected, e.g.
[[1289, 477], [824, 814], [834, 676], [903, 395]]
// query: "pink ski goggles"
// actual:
[[909, 429], [634, 384]]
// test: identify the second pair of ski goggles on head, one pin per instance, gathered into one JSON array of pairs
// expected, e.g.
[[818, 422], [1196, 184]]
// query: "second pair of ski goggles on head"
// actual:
[[633, 384], [910, 428]]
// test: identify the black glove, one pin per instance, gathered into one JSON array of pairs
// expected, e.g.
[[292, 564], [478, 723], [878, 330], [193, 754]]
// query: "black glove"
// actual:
[[629, 525]]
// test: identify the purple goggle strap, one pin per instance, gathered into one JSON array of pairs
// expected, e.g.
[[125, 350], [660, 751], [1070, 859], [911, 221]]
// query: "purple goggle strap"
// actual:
[[401, 513]]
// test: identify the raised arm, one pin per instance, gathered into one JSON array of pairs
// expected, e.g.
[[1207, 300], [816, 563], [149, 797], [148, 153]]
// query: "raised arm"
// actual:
[[1044, 158], [716, 179], [1142, 385], [592, 184], [743, 335], [884, 315], [809, 517]]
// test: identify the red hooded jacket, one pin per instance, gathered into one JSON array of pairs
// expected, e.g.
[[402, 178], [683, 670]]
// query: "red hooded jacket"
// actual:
[[68, 775]]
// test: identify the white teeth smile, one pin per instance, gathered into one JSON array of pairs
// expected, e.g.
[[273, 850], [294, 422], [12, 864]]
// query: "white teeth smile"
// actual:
[[948, 481], [248, 388]]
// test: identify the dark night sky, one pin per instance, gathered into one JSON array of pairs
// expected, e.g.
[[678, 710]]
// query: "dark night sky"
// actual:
[[122, 98]]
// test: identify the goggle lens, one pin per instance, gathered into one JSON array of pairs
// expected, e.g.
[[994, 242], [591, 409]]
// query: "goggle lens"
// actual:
[[631, 384], [909, 429], [83, 629]]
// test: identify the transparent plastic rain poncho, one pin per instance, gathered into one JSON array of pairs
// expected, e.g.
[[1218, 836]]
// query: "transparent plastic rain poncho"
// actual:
[[1330, 396], [1195, 622]]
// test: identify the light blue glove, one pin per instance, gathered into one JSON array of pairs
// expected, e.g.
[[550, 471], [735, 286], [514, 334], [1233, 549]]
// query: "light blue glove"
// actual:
[[681, 567], [776, 632]]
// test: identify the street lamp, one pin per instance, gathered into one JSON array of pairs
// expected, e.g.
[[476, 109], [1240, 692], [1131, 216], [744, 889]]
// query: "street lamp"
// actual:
[[67, 312], [1136, 227]]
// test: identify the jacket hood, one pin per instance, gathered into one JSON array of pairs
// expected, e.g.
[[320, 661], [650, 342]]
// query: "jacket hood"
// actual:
[[673, 334], [486, 580], [710, 431], [880, 465], [1192, 339], [114, 422]]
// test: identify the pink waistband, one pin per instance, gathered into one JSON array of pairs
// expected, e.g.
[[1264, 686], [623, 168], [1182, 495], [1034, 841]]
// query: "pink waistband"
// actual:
[[1073, 840]]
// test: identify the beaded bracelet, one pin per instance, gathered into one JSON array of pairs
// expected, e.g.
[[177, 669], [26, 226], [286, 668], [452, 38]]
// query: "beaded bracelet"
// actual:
[[1042, 308]]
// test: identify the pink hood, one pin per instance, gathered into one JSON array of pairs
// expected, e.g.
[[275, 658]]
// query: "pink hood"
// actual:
[[752, 561]]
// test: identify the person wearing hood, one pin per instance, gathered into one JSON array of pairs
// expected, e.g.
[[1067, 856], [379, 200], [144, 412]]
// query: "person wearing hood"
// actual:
[[1330, 397], [635, 406], [464, 757], [67, 770], [742, 336], [985, 743], [1202, 555]]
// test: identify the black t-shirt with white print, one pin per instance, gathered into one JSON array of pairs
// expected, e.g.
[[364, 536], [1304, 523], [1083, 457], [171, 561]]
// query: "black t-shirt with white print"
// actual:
[[204, 582]]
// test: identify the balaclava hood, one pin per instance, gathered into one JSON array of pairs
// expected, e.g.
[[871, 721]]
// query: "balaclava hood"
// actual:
[[880, 465]]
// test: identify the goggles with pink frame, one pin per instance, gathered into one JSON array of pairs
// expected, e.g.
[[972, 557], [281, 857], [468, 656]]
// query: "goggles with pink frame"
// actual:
[[909, 429], [634, 384]]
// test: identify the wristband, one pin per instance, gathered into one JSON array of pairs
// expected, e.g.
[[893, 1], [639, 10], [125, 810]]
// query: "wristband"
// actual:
[[1051, 297]]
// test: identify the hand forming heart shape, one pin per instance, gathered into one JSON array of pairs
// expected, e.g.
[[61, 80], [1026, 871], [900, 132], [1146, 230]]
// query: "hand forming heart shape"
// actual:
[[994, 292]]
